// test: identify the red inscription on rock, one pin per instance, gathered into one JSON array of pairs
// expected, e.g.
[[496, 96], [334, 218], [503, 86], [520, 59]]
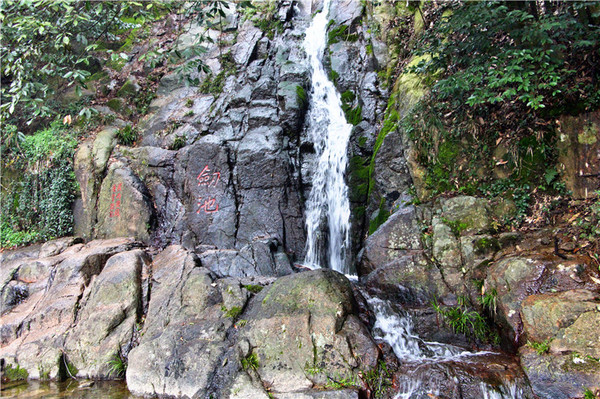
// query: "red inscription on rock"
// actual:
[[115, 203], [209, 180]]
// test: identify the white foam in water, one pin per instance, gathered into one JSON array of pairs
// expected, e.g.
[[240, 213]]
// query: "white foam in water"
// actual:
[[408, 388], [508, 391], [329, 131], [396, 330]]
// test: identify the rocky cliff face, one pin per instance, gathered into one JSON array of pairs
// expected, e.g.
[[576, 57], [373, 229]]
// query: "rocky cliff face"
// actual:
[[203, 298]]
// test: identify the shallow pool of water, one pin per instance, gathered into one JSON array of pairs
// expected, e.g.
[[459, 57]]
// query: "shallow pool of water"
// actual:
[[67, 389]]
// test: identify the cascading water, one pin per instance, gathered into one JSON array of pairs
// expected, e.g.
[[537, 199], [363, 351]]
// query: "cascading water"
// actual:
[[328, 129], [397, 330]]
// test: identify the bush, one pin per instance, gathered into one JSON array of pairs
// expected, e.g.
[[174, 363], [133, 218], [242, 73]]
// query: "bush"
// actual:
[[127, 135], [38, 206]]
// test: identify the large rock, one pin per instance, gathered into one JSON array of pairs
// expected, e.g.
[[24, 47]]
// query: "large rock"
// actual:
[[260, 258], [394, 264], [33, 332], [560, 376], [124, 207], [184, 337], [110, 309], [306, 322], [544, 315]]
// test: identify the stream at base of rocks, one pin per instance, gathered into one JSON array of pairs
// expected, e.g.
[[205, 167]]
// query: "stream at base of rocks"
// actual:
[[80, 389]]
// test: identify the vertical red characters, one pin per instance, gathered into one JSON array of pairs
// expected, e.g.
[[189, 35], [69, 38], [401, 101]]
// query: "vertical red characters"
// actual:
[[115, 204], [209, 180]]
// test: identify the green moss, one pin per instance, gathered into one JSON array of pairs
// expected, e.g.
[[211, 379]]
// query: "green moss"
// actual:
[[358, 169], [233, 312], [389, 124], [334, 76], [15, 373], [456, 226], [485, 244], [301, 97], [352, 111], [255, 289], [382, 215], [340, 33], [128, 89], [116, 104], [250, 362]]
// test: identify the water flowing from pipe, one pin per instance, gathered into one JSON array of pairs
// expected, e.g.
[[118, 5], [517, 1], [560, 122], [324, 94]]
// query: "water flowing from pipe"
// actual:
[[329, 131]]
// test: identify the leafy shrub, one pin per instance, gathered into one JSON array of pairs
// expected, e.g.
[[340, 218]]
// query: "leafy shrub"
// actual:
[[464, 321], [127, 135], [39, 205]]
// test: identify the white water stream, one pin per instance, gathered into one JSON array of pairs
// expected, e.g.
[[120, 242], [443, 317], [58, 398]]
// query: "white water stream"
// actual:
[[329, 131], [397, 330]]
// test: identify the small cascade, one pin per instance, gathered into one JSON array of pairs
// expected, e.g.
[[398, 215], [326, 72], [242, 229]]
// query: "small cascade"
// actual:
[[396, 329], [327, 128]]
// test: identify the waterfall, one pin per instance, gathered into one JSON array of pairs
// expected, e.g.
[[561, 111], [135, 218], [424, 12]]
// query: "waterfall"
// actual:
[[329, 131]]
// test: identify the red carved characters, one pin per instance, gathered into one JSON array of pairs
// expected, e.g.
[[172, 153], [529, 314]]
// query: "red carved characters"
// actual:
[[115, 204], [209, 180], [205, 178]]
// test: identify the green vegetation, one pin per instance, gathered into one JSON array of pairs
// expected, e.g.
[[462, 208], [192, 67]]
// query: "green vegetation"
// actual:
[[263, 15], [540, 347], [255, 289], [456, 226], [382, 215], [250, 362], [231, 313], [213, 84], [379, 380], [486, 244], [589, 394], [352, 112], [241, 323], [127, 135], [489, 301], [178, 143], [312, 370], [339, 382], [500, 74], [462, 320], [335, 35], [301, 97], [117, 365], [37, 205], [15, 373]]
